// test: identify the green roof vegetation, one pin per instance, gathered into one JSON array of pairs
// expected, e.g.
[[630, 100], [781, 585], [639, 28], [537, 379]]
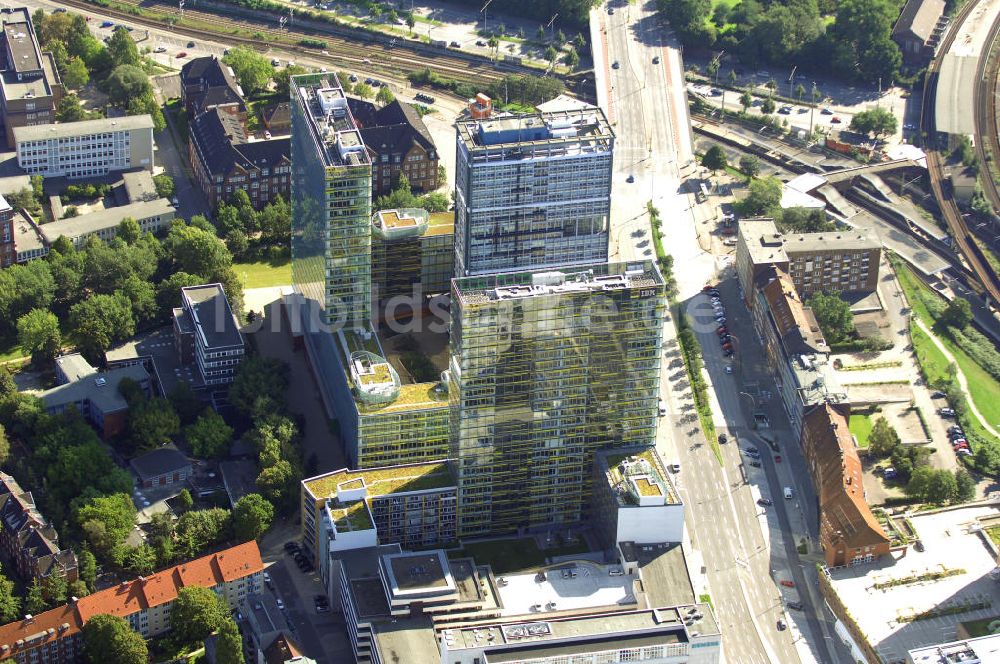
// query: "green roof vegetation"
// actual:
[[380, 374], [411, 397], [352, 516], [384, 481], [441, 223], [647, 488]]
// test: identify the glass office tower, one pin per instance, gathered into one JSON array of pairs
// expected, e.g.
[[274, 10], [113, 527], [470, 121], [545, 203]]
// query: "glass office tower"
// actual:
[[532, 191], [546, 368]]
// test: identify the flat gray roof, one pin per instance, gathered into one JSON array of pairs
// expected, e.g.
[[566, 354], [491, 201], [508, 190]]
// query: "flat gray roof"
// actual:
[[212, 315], [21, 41], [763, 241], [331, 124], [586, 130], [408, 640], [839, 240], [664, 574], [99, 220], [100, 389], [26, 234], [82, 128], [953, 112], [610, 641]]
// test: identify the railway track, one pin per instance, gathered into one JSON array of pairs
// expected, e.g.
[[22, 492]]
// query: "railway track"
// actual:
[[340, 51], [986, 280]]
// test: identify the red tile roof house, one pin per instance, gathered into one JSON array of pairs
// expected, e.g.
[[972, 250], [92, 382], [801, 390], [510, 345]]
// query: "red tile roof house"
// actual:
[[53, 637]]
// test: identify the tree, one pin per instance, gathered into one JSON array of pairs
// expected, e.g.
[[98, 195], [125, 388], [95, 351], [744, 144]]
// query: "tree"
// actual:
[[363, 90], [153, 423], [141, 560], [687, 18], [714, 159], [283, 77], [125, 83], [54, 589], [99, 321], [551, 54], [253, 70], [732, 75], [746, 100], [87, 566], [957, 314], [146, 104], [800, 91], [410, 21], [883, 438], [4, 445], [258, 388], [165, 187], [252, 515], [229, 644], [767, 106], [275, 483], [965, 487], [712, 68], [750, 165], [345, 81], [210, 436], [875, 122], [579, 41], [38, 334], [122, 49], [571, 59], [764, 196], [833, 315], [110, 640], [198, 529], [560, 37], [385, 96], [196, 613], [34, 601], [76, 75], [941, 487], [77, 589], [128, 230], [10, 603], [70, 109], [23, 288], [197, 251], [803, 220], [115, 512], [185, 500], [168, 291], [540, 33]]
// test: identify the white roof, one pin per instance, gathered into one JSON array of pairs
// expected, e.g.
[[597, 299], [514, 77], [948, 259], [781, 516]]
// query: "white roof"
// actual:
[[792, 198], [806, 182], [564, 103], [907, 151]]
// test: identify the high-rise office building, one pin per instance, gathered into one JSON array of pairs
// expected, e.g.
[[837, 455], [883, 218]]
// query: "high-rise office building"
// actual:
[[532, 191], [546, 368], [331, 203]]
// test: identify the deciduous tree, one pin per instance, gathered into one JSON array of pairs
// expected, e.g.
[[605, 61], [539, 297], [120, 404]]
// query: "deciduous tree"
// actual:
[[833, 315], [252, 515], [38, 334], [109, 639], [714, 159], [210, 436], [882, 439], [253, 70], [196, 613]]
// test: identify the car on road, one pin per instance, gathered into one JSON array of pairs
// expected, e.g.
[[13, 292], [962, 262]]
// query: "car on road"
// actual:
[[727, 346], [719, 318], [190, 44], [723, 438], [785, 110], [160, 49], [946, 412], [755, 463], [656, 59], [729, 353], [280, 602], [781, 625], [611, 11], [108, 24], [182, 54], [267, 578], [777, 458], [765, 502], [751, 451], [456, 44], [827, 111], [480, 42], [721, 330], [795, 605], [729, 368], [835, 120], [615, 65], [909, 126], [789, 494], [630, 179], [938, 395]]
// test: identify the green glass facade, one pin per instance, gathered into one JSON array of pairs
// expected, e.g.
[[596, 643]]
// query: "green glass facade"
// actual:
[[546, 368], [331, 202]]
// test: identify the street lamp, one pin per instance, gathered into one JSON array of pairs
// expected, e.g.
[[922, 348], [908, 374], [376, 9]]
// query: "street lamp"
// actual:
[[791, 80], [483, 10]]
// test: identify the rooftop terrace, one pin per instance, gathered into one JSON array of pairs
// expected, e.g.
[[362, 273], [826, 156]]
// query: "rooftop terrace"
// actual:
[[522, 136], [639, 472], [349, 517], [332, 126], [384, 481]]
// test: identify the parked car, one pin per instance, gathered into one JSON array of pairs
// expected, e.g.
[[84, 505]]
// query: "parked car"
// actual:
[[190, 44], [765, 502], [267, 579], [160, 49], [720, 319], [889, 473], [938, 395], [353, 78], [777, 458], [953, 428], [630, 179], [785, 110], [964, 452], [751, 451], [280, 602], [615, 65], [781, 625], [480, 42], [729, 369], [723, 438], [946, 412], [755, 463], [182, 54], [835, 120], [656, 59], [827, 111], [108, 24], [795, 605], [727, 346], [721, 330], [456, 44], [730, 353]]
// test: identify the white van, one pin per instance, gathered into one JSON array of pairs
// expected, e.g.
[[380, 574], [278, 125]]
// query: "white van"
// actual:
[[662, 408], [788, 493]]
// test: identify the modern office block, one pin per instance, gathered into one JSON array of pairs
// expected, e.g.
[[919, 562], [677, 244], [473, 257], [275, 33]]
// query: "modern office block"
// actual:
[[89, 148], [547, 368], [207, 333], [412, 254], [532, 191], [331, 203]]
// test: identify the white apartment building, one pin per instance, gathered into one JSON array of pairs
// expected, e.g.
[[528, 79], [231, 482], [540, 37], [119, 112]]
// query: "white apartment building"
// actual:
[[90, 148], [208, 333]]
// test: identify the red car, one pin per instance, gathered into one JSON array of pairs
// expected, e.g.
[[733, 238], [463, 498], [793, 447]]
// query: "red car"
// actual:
[[182, 54], [727, 346], [835, 120], [777, 458]]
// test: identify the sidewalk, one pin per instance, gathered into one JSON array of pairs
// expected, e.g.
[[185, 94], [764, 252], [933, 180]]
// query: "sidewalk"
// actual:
[[962, 382]]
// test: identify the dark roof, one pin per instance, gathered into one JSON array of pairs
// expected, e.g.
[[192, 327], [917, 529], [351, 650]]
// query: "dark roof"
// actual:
[[161, 461], [796, 323], [28, 529], [396, 126], [919, 18], [212, 315], [222, 143], [218, 96], [279, 114], [208, 82]]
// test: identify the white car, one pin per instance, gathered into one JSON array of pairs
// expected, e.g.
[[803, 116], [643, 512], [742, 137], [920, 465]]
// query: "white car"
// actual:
[[160, 49], [729, 369], [281, 604]]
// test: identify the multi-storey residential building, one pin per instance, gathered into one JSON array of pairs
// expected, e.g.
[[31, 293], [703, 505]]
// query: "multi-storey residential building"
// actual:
[[836, 261], [547, 368], [848, 531], [794, 346], [30, 87], [8, 235], [89, 148], [27, 540], [413, 254], [54, 636], [331, 203], [412, 505], [93, 394], [224, 160], [634, 498], [398, 142], [207, 333], [532, 191], [208, 82]]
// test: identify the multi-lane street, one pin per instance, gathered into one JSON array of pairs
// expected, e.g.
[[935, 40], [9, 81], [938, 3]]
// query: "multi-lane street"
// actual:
[[738, 551]]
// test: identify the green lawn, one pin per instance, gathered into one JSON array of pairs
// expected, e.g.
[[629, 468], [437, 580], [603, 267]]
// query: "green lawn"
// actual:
[[262, 274], [861, 427], [508, 556], [929, 356]]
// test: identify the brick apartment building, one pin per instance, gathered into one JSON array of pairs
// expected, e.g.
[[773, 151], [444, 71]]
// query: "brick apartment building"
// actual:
[[27, 540], [208, 82], [224, 159], [848, 531], [398, 142], [30, 87], [54, 636]]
